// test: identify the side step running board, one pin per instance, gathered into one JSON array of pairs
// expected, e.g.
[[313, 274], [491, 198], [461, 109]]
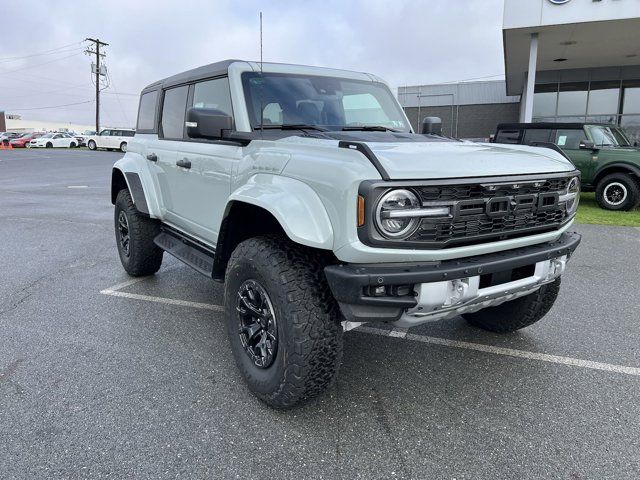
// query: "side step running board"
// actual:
[[187, 251]]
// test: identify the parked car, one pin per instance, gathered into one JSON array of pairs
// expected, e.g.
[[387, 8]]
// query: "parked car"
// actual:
[[111, 139], [307, 193], [54, 140], [23, 141], [608, 161], [6, 137], [82, 137]]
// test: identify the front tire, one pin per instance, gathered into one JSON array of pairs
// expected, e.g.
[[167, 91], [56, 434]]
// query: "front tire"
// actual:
[[518, 313], [91, 145], [618, 191], [134, 235], [49, 145], [282, 321]]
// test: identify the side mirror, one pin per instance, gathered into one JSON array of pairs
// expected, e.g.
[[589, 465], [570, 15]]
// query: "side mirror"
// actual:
[[586, 145], [432, 126], [207, 123]]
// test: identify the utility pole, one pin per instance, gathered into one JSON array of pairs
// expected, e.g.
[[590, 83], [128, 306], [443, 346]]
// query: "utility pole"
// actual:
[[97, 43]]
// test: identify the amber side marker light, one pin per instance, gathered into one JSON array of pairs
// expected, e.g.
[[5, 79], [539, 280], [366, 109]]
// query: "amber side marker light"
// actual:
[[360, 210]]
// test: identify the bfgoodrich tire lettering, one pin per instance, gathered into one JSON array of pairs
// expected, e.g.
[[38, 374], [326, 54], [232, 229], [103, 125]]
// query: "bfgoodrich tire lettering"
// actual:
[[309, 334], [138, 254], [518, 313], [618, 191]]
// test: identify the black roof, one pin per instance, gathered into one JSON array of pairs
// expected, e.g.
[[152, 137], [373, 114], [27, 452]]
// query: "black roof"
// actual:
[[550, 125], [206, 71]]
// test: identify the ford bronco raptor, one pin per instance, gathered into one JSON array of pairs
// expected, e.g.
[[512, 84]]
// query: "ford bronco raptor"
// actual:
[[608, 161], [306, 191]]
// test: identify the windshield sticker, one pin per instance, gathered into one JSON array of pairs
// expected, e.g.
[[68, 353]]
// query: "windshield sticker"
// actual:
[[562, 140]]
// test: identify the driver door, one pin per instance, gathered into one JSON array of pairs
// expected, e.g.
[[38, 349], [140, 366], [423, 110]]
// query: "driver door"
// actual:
[[569, 141]]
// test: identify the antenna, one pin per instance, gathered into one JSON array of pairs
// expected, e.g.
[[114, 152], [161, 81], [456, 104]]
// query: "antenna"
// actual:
[[261, 86]]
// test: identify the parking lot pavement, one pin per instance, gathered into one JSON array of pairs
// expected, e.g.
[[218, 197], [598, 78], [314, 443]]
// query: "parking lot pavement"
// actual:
[[138, 381]]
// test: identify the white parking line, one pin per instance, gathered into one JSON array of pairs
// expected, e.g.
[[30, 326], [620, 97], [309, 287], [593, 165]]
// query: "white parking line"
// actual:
[[543, 357], [400, 333]]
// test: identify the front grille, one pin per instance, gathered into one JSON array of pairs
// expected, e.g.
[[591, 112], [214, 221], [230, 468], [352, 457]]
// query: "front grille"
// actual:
[[490, 211], [439, 193], [478, 227]]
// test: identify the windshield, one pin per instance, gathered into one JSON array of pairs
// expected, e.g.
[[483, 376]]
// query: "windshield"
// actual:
[[604, 136], [275, 100], [48, 135]]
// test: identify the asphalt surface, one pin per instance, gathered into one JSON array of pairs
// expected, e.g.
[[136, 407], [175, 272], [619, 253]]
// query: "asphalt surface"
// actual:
[[99, 386]]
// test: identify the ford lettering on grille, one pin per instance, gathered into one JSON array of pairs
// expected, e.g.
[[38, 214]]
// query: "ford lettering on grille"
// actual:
[[506, 205]]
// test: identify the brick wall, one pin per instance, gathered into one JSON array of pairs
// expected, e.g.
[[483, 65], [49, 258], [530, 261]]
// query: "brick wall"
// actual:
[[467, 121]]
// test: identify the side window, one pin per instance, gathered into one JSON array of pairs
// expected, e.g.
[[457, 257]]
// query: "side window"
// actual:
[[129, 133], [537, 135], [570, 139], [213, 94], [508, 136], [105, 133], [147, 111], [173, 111]]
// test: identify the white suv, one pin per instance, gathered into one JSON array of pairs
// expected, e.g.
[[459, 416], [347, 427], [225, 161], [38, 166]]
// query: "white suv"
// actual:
[[112, 139], [306, 191]]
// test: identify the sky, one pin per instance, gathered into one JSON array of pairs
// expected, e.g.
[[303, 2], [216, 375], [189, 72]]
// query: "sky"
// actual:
[[42, 63]]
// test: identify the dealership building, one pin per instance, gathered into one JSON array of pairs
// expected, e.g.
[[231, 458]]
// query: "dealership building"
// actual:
[[565, 61]]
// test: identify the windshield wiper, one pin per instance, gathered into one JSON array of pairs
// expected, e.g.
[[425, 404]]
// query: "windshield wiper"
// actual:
[[290, 126], [369, 128]]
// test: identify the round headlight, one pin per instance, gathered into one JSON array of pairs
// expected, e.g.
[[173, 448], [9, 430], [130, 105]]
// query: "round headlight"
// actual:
[[573, 195], [389, 213]]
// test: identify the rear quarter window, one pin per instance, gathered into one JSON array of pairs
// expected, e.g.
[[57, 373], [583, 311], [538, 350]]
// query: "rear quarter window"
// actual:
[[147, 111], [509, 136]]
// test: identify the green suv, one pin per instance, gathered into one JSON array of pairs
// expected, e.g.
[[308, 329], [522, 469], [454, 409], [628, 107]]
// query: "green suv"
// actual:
[[607, 159]]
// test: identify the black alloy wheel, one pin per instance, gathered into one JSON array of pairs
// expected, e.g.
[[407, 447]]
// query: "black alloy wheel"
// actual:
[[123, 232], [257, 326]]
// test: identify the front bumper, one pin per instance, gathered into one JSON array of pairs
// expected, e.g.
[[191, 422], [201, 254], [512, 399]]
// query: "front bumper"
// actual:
[[439, 290]]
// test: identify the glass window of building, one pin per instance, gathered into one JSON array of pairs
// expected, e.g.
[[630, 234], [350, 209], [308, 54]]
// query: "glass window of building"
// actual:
[[572, 99], [631, 96], [545, 97], [603, 98]]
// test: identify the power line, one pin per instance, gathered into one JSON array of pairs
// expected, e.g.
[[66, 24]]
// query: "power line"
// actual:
[[46, 52], [40, 64], [52, 106], [52, 91], [126, 117]]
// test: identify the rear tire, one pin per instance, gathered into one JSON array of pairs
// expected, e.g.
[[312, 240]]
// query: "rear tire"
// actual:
[[134, 236], [518, 313], [91, 145], [123, 147], [303, 331], [618, 191]]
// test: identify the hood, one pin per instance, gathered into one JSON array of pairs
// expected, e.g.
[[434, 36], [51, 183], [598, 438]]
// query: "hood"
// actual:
[[436, 158], [466, 159]]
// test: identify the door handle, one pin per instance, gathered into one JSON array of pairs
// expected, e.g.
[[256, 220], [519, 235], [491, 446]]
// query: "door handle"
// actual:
[[152, 157], [184, 163]]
